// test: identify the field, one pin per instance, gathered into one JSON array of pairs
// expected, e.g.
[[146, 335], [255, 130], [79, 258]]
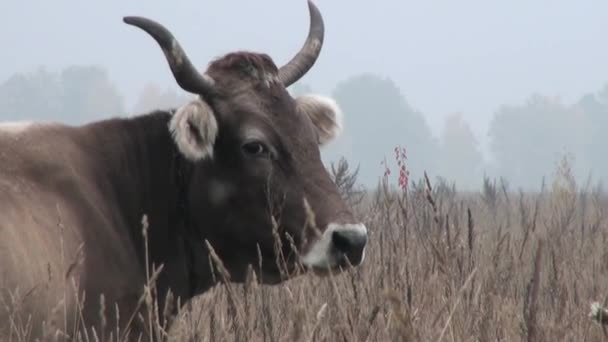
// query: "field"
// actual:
[[497, 265]]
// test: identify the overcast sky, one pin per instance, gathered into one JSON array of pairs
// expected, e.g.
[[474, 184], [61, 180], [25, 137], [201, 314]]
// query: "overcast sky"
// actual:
[[446, 56]]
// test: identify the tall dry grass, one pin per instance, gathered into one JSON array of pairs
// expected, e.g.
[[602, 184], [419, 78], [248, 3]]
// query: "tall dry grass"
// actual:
[[499, 265], [442, 265]]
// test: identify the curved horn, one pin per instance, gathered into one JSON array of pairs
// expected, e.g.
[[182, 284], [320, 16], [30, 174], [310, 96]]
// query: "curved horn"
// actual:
[[299, 65], [183, 71]]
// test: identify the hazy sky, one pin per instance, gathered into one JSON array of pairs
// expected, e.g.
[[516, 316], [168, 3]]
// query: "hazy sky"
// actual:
[[446, 56]]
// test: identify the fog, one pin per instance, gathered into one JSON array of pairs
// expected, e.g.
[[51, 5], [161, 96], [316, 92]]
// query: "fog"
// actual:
[[469, 88]]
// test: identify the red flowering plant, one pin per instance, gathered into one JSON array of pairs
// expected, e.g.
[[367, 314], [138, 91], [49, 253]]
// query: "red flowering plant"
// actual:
[[398, 198], [404, 173]]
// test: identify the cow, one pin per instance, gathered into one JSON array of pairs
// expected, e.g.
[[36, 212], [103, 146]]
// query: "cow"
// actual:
[[231, 181]]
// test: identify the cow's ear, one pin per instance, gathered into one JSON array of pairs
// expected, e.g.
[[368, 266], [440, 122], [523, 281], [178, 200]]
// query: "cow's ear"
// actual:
[[194, 128], [324, 113]]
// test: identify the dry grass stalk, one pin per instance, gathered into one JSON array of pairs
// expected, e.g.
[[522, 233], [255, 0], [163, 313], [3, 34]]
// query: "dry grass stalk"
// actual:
[[531, 298], [458, 297]]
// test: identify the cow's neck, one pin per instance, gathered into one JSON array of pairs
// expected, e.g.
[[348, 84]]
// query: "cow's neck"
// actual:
[[149, 177]]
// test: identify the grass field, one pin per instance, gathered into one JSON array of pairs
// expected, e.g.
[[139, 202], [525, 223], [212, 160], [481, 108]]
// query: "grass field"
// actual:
[[497, 265]]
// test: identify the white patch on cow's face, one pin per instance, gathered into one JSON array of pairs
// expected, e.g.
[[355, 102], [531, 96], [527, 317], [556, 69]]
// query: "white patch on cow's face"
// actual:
[[329, 251], [324, 113], [219, 192], [15, 127], [194, 129]]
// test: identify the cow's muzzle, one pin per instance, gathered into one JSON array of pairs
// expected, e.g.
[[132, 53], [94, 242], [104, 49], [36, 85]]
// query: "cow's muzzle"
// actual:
[[338, 246]]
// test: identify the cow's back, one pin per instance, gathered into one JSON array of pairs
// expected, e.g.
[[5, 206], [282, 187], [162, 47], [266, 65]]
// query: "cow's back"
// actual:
[[50, 209]]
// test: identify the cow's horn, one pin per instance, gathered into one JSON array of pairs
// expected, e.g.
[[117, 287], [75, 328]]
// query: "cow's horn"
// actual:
[[299, 65], [184, 72]]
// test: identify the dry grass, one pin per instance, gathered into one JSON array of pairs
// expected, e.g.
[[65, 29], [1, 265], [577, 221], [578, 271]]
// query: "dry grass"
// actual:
[[441, 266]]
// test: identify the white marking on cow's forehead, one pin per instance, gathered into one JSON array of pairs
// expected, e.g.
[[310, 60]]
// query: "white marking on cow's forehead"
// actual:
[[270, 79], [266, 77], [15, 126]]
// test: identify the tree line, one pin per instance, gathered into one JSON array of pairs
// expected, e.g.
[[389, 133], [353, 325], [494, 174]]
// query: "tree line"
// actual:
[[526, 140]]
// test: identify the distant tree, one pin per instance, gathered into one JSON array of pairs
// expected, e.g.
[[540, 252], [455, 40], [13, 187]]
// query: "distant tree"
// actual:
[[528, 140], [152, 98], [76, 95], [460, 157], [602, 95], [378, 118], [88, 94], [35, 95], [595, 109]]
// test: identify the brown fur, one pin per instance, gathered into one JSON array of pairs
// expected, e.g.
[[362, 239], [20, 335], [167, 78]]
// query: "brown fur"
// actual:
[[243, 68], [243, 63]]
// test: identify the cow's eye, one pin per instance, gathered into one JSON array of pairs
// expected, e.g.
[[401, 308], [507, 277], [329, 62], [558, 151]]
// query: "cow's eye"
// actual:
[[255, 148]]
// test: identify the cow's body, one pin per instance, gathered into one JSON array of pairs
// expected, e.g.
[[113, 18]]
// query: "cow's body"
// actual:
[[235, 168], [63, 187]]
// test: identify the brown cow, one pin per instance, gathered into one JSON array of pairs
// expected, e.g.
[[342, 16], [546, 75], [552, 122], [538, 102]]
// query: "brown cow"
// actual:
[[228, 171]]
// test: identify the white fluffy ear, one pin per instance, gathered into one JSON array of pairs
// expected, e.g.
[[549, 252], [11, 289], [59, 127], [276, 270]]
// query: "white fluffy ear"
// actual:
[[324, 113], [194, 128]]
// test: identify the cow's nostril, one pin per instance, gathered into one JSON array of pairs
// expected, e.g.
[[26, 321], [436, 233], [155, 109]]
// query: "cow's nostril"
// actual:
[[351, 243]]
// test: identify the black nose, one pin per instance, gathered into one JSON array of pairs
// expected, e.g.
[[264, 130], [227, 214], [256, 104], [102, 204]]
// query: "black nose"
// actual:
[[351, 244]]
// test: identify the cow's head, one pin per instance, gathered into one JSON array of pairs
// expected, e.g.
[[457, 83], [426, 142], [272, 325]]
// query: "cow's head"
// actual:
[[257, 167]]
